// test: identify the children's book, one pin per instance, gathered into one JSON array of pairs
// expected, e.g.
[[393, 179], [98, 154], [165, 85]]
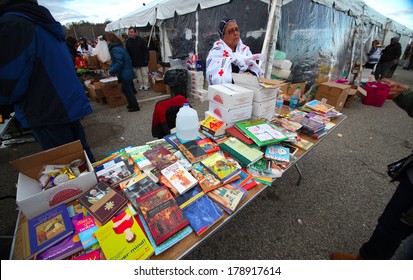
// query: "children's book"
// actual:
[[172, 139], [86, 229], [228, 196], [122, 239], [302, 144], [64, 248], [278, 153], [183, 160], [312, 125], [162, 214], [112, 171], [160, 157], [319, 106], [103, 202], [261, 132], [219, 166], [45, 230], [207, 145], [179, 177], [206, 180], [316, 135], [192, 151], [127, 159], [243, 153], [213, 126], [139, 186], [199, 209], [168, 243]]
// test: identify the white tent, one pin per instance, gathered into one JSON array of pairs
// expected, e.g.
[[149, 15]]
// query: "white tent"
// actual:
[[312, 33]]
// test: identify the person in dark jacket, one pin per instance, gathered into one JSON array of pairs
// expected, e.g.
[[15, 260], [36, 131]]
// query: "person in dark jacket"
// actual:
[[139, 53], [396, 222], [121, 65], [389, 57], [37, 75]]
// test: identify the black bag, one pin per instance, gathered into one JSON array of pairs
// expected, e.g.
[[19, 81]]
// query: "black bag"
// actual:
[[395, 169]]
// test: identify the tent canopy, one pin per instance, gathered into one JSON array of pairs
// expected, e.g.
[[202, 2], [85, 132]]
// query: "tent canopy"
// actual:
[[160, 10]]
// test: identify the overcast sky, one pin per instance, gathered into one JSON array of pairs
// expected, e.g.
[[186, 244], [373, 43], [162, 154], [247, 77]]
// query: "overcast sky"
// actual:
[[97, 11]]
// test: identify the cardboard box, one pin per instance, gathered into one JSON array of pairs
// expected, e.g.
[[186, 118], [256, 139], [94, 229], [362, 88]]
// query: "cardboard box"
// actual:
[[230, 115], [31, 199], [334, 94], [157, 83], [92, 62], [253, 83], [353, 92], [262, 108], [111, 87], [267, 116], [153, 61], [293, 87], [230, 96], [116, 101], [95, 90]]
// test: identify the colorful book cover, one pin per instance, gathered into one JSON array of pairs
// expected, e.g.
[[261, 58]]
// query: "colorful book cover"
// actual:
[[206, 180], [86, 229], [64, 248], [302, 144], [243, 153], [245, 177], [45, 230], [172, 139], [192, 151], [228, 196], [319, 106], [139, 186], [261, 132], [122, 239], [311, 125], [213, 126], [179, 177], [207, 145], [127, 159], [91, 256], [136, 153], [183, 160], [112, 171], [199, 209], [162, 214], [103, 202], [278, 153], [220, 167], [168, 243], [234, 131], [160, 157]]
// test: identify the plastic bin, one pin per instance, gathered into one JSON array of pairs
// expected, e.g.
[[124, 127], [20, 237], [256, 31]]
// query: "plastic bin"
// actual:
[[177, 80], [377, 94]]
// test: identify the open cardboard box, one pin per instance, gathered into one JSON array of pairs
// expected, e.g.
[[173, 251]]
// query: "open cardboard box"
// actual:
[[353, 92], [31, 199], [253, 83]]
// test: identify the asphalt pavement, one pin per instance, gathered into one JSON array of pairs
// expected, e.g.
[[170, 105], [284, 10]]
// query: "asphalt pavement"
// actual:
[[343, 191]]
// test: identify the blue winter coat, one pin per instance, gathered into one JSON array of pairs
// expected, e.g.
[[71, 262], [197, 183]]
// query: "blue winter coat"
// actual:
[[121, 64], [36, 70]]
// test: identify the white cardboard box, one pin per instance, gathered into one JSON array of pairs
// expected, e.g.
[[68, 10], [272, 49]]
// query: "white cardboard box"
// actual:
[[251, 82], [262, 108], [230, 96], [31, 199], [267, 116], [230, 115]]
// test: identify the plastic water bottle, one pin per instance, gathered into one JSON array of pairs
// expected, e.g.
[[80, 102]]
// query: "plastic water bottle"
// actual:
[[279, 101], [187, 123], [295, 99]]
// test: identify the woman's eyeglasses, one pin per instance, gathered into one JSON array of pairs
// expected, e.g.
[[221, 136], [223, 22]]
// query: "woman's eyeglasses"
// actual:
[[233, 30]]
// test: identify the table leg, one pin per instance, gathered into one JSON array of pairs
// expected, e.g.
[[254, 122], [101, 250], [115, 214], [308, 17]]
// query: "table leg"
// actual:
[[300, 175]]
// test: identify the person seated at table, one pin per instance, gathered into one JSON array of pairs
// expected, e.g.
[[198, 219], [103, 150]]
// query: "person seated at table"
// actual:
[[229, 55]]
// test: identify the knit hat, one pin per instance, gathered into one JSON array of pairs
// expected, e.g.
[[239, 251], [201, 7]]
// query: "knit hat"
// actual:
[[222, 24]]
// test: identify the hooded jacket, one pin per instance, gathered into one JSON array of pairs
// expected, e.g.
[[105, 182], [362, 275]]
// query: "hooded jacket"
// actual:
[[121, 64], [36, 69], [138, 51]]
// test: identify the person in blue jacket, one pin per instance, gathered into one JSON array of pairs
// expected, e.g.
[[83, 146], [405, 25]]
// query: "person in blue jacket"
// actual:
[[37, 75], [121, 65]]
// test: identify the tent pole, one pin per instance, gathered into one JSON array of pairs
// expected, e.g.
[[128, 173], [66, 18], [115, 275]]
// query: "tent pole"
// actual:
[[362, 48]]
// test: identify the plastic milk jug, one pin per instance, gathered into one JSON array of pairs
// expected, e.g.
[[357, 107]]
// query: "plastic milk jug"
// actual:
[[187, 123]]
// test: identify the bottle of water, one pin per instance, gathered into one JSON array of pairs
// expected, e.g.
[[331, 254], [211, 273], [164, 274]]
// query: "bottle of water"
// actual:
[[279, 101], [187, 123], [295, 99]]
